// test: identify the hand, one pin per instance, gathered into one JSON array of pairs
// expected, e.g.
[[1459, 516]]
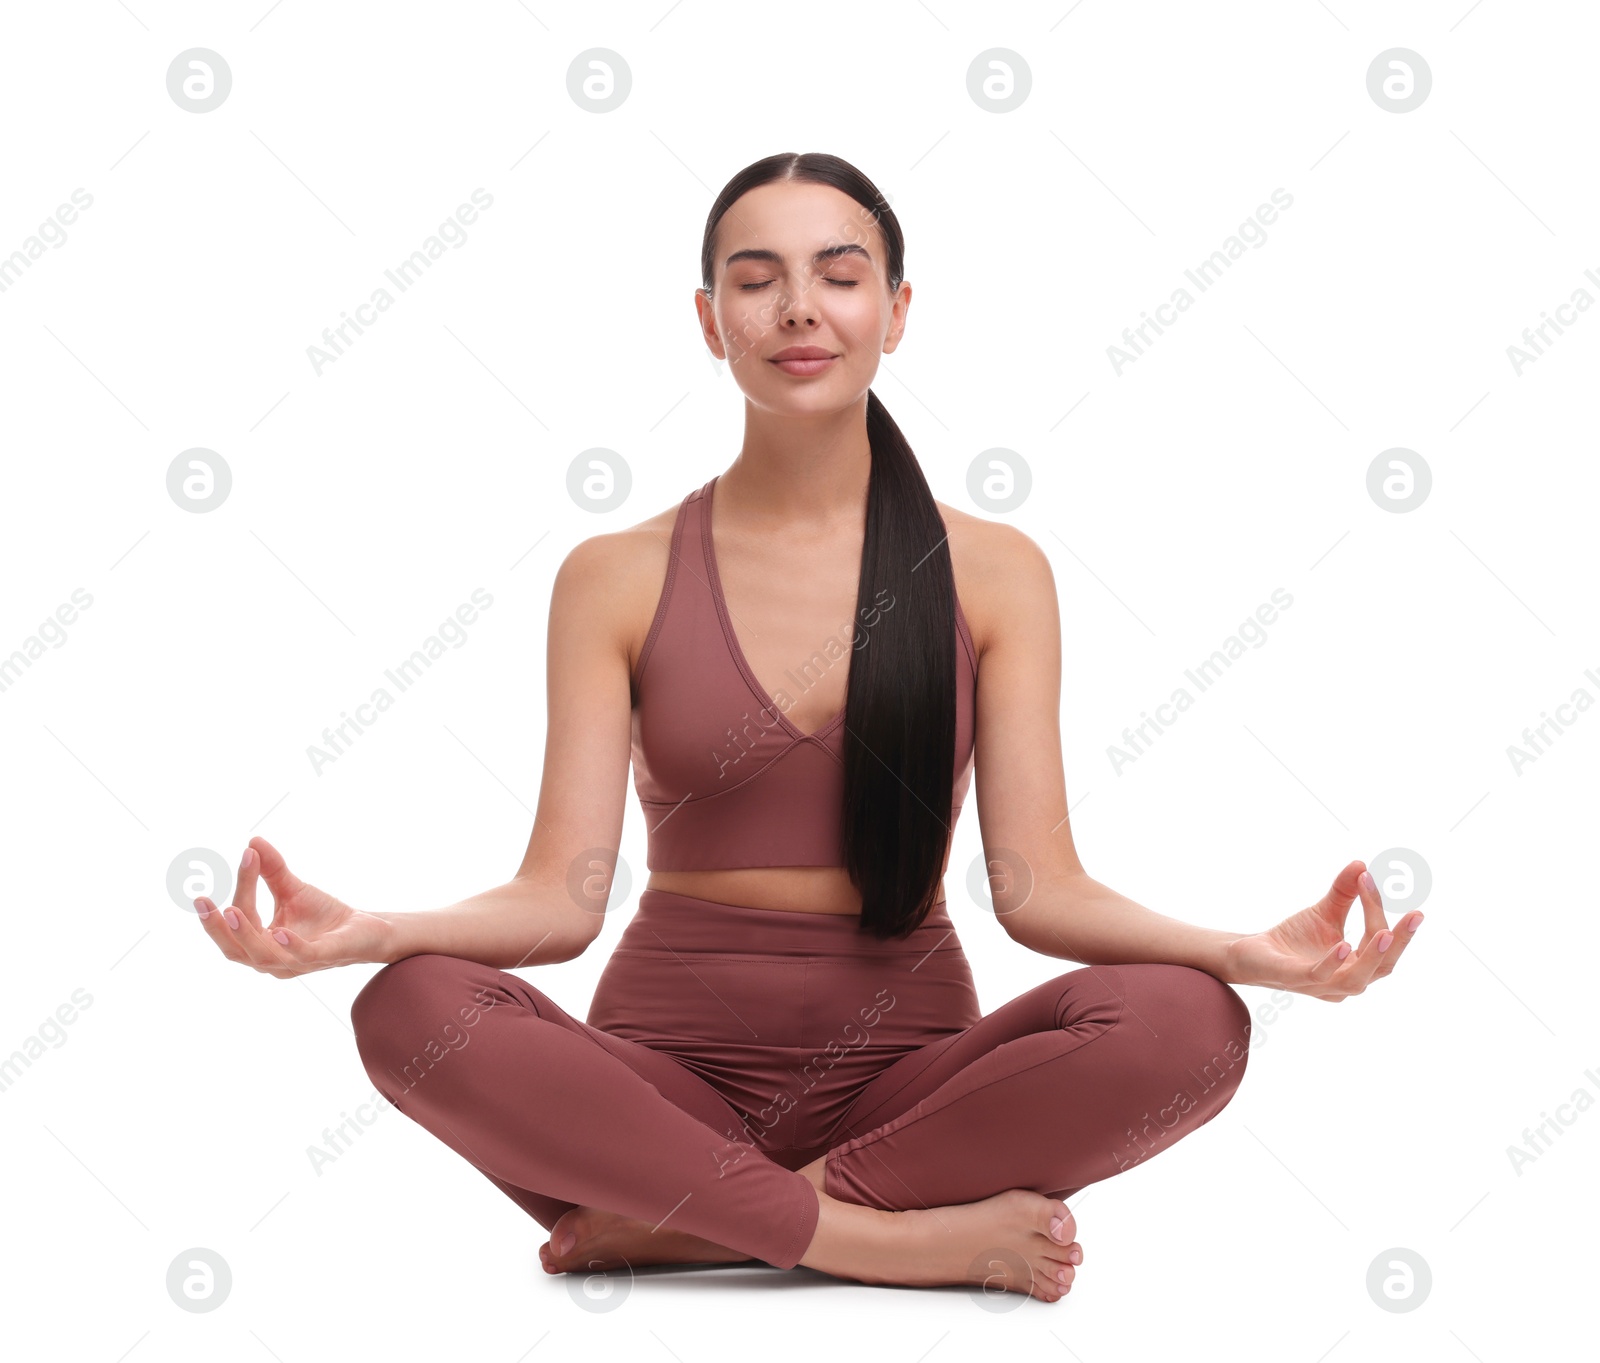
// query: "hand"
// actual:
[[310, 930], [1307, 953]]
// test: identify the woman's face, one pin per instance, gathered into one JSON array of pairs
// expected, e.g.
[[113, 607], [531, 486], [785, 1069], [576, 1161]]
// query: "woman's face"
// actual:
[[801, 265]]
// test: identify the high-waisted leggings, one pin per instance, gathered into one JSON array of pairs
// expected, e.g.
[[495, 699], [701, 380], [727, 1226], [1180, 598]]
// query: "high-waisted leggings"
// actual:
[[726, 1047]]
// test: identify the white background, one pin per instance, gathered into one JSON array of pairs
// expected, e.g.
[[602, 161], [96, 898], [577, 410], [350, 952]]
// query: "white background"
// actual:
[[431, 459]]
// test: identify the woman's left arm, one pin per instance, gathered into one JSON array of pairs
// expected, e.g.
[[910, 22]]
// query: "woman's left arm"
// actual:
[[1042, 895]]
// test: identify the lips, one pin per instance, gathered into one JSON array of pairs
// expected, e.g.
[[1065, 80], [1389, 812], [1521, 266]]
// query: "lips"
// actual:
[[802, 352]]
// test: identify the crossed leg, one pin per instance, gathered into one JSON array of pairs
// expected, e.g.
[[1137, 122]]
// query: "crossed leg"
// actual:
[[559, 1114], [1071, 1082]]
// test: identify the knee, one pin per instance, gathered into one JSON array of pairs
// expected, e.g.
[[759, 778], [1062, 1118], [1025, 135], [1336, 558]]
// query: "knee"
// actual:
[[1217, 1021], [1204, 1022], [404, 1000]]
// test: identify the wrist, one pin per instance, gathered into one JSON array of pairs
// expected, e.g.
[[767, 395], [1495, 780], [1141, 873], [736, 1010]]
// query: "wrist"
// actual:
[[1229, 958], [393, 938]]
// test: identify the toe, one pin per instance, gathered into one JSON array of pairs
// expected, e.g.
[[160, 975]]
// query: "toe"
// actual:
[[1060, 1225]]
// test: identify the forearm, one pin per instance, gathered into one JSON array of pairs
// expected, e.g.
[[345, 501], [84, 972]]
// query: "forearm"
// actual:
[[523, 922], [1079, 919]]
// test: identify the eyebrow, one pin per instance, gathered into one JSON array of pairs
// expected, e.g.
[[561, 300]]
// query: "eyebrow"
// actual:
[[774, 258]]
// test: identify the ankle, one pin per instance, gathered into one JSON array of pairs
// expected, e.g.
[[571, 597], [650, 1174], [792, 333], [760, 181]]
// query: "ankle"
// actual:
[[854, 1241]]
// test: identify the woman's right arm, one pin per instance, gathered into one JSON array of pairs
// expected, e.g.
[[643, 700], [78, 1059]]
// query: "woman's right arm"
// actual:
[[554, 906]]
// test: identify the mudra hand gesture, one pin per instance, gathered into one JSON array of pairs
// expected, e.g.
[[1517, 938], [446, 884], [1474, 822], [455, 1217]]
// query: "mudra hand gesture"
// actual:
[[310, 929], [1307, 952]]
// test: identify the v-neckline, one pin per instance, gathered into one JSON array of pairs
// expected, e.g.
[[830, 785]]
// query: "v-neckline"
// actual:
[[736, 649]]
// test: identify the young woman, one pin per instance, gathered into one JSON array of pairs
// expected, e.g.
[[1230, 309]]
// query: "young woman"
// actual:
[[784, 1059]]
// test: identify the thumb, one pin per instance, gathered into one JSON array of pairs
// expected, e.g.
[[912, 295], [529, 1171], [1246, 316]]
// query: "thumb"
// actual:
[[280, 879], [1342, 894]]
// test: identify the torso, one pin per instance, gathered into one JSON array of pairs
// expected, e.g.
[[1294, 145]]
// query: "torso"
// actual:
[[808, 597]]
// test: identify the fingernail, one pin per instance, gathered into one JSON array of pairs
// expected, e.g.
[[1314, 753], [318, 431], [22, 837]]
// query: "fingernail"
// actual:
[[1414, 923], [567, 1242], [1385, 942], [1344, 950], [1055, 1230], [281, 937], [1368, 883], [204, 910], [231, 917], [244, 861], [1075, 1256], [1061, 1275]]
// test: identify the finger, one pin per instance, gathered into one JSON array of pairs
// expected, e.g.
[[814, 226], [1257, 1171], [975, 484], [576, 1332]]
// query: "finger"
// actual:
[[244, 894], [1372, 906], [1361, 964], [1328, 966], [217, 930], [294, 954], [249, 938], [280, 879], [1404, 931]]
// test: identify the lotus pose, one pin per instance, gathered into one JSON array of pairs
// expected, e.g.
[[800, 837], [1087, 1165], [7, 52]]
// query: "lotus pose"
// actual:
[[784, 1060]]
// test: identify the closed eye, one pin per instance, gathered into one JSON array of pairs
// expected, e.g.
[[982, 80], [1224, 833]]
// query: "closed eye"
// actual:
[[846, 283]]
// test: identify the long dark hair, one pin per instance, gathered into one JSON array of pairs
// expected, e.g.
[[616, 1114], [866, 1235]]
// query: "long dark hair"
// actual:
[[900, 704]]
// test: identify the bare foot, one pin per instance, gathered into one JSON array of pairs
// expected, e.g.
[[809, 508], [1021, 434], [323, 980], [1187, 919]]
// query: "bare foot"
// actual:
[[1003, 1243], [602, 1239]]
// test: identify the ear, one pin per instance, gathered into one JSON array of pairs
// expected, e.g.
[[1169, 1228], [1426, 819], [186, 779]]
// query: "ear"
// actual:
[[897, 321]]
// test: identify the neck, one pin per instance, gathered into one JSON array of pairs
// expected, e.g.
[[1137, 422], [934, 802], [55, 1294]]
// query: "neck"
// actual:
[[810, 469]]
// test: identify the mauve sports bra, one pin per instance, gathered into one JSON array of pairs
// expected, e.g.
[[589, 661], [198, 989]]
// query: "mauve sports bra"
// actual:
[[724, 778]]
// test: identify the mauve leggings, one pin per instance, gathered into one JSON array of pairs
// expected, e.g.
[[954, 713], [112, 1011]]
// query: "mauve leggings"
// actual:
[[727, 1046]]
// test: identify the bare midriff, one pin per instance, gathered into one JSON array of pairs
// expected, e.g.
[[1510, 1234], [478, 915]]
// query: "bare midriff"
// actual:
[[795, 889]]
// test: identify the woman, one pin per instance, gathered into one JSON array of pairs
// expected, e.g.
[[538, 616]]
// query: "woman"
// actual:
[[784, 1059]]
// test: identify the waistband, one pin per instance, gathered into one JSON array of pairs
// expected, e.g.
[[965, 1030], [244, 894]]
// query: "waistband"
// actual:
[[667, 922]]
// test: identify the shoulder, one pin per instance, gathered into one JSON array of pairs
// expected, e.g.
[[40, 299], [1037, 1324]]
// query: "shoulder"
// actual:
[[615, 578], [1002, 575]]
